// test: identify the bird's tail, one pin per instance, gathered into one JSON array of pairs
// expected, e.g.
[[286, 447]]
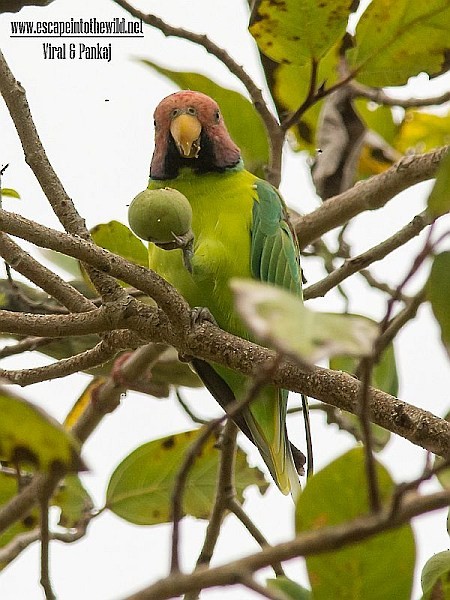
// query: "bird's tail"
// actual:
[[264, 423], [266, 420]]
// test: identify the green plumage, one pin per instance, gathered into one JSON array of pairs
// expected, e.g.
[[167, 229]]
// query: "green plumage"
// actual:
[[241, 230]]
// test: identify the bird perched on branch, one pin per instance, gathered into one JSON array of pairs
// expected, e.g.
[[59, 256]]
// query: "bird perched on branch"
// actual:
[[241, 229]]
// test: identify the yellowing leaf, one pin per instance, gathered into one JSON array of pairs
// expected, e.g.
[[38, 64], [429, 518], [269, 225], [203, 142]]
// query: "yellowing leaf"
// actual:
[[31, 437], [239, 113], [339, 494], [10, 193], [397, 39], [298, 31], [279, 319], [289, 85], [83, 402], [421, 131], [140, 488], [74, 502]]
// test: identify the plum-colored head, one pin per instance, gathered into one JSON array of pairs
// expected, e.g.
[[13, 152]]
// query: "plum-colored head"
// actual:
[[190, 132]]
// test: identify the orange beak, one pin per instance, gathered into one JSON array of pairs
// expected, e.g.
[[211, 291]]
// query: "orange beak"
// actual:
[[186, 130]]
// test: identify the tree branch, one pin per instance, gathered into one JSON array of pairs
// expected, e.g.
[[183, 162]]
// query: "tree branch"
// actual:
[[48, 281], [101, 353], [379, 96], [378, 252], [306, 544], [371, 194], [209, 343], [146, 280]]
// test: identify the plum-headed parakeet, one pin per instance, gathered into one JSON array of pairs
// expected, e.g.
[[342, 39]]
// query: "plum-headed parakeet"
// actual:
[[241, 229]]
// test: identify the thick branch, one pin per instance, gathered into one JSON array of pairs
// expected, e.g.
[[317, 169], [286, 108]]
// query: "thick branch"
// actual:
[[323, 540], [48, 281], [371, 194], [144, 279], [208, 342]]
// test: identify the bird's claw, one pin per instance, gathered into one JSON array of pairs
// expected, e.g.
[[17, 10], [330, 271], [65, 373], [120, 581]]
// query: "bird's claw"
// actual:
[[185, 243]]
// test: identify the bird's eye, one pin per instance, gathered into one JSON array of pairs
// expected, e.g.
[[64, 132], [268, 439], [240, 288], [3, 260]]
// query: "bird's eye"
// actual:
[[154, 122], [191, 111], [217, 116]]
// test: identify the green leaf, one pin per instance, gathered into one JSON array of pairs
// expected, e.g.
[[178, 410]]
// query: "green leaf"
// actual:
[[336, 495], [351, 424], [9, 489], [377, 118], [397, 39], [9, 193], [436, 577], [140, 488], [439, 199], [384, 373], [67, 263], [243, 121], [31, 437], [74, 502], [290, 590], [280, 319], [298, 31], [289, 86], [438, 292], [118, 238]]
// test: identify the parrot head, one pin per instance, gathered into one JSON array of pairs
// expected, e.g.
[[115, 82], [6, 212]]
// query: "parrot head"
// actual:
[[190, 132]]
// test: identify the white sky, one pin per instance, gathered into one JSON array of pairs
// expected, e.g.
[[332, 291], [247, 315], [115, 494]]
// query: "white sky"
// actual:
[[101, 151]]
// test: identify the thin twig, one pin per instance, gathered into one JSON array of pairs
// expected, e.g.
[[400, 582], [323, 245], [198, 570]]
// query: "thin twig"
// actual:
[[239, 513], [379, 96], [370, 194], [376, 253], [364, 418], [27, 345], [390, 330], [262, 377], [88, 359], [224, 491], [311, 98], [21, 542], [195, 418], [265, 592], [306, 544], [382, 286]]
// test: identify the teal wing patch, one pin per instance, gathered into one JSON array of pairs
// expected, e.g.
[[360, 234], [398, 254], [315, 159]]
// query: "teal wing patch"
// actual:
[[275, 255]]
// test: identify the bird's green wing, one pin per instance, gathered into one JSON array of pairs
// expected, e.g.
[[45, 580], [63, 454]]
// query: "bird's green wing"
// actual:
[[274, 259], [274, 250]]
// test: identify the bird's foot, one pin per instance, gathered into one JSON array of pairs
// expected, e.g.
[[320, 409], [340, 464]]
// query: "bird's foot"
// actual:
[[200, 315], [185, 243]]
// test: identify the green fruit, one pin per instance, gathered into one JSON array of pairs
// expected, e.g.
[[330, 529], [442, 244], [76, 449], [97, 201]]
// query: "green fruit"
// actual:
[[159, 215]]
